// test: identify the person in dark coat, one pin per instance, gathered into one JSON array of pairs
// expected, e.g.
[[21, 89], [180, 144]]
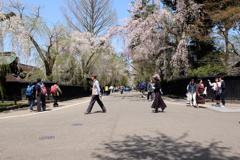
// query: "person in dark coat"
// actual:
[[158, 101], [41, 100], [223, 88]]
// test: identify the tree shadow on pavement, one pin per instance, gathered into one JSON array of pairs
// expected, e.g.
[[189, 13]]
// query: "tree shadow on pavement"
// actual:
[[162, 147]]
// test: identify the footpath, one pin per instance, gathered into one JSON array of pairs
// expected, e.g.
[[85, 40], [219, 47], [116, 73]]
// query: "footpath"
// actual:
[[229, 108]]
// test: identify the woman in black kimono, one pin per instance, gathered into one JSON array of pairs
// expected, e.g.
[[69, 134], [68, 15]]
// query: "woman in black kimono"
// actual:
[[158, 102], [200, 97]]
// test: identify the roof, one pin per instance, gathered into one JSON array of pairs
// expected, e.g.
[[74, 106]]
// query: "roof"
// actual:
[[237, 64], [7, 58], [11, 78], [27, 68]]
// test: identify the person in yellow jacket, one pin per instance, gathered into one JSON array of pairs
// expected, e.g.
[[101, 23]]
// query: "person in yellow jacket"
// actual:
[[106, 90]]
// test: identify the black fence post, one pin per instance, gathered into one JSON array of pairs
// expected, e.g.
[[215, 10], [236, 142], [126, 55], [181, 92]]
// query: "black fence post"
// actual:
[[15, 99]]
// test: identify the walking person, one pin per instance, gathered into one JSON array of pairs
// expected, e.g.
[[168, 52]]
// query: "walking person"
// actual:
[[200, 97], [102, 90], [55, 92], [223, 94], [150, 90], [111, 89], [30, 93], [192, 93], [96, 95], [121, 89], [217, 90], [142, 87], [158, 101], [106, 90], [41, 93]]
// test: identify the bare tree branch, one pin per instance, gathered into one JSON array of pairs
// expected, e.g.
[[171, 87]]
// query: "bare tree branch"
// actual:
[[93, 16]]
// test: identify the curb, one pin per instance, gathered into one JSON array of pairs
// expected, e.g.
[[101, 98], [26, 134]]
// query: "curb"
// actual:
[[13, 107]]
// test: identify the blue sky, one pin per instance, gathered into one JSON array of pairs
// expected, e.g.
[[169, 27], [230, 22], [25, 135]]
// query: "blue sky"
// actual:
[[51, 9]]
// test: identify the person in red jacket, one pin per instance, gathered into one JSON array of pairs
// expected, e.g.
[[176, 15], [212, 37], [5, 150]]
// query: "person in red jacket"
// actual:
[[55, 92]]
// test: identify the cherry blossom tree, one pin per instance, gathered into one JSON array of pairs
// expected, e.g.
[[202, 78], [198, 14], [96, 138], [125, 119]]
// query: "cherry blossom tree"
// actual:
[[67, 55], [29, 34], [154, 33], [93, 54]]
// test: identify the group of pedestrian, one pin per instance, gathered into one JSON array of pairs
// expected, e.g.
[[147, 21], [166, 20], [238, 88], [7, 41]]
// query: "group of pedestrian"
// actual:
[[107, 90], [219, 91], [39, 92], [197, 92], [152, 87]]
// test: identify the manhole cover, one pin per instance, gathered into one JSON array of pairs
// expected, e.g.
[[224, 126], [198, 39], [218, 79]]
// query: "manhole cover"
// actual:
[[46, 137], [77, 124]]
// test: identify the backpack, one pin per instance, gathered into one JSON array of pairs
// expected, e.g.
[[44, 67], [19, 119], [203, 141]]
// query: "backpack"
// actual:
[[29, 90], [43, 88], [142, 85], [54, 89]]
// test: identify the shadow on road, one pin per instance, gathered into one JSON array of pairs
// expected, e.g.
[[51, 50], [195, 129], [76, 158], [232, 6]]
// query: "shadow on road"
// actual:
[[162, 147]]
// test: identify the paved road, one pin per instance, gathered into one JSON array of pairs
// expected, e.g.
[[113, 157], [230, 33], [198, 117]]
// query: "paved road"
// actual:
[[128, 131]]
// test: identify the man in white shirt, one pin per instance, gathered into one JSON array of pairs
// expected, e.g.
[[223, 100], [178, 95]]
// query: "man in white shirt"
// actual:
[[96, 95]]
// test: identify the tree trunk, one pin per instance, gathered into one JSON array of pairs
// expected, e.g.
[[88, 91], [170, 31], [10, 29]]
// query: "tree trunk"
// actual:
[[49, 67], [226, 58]]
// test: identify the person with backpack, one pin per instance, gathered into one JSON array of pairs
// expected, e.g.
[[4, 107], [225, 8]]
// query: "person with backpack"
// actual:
[[30, 93], [142, 87], [55, 92], [41, 93]]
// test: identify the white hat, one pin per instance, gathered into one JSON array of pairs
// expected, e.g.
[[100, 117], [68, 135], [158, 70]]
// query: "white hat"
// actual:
[[156, 76]]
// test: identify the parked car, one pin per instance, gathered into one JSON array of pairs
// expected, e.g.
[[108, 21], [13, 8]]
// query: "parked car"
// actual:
[[127, 88]]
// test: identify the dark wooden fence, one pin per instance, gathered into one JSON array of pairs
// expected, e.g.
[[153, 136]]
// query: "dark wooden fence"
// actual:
[[178, 86], [15, 91]]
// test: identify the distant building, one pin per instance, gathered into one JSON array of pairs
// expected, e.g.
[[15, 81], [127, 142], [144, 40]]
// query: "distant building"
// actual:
[[18, 71], [24, 71], [236, 68]]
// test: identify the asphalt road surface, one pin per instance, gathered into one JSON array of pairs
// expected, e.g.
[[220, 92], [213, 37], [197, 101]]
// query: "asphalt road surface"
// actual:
[[128, 131]]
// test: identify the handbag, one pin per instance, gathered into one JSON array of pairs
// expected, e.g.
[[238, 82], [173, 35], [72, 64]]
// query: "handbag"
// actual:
[[205, 91], [188, 96], [219, 91]]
